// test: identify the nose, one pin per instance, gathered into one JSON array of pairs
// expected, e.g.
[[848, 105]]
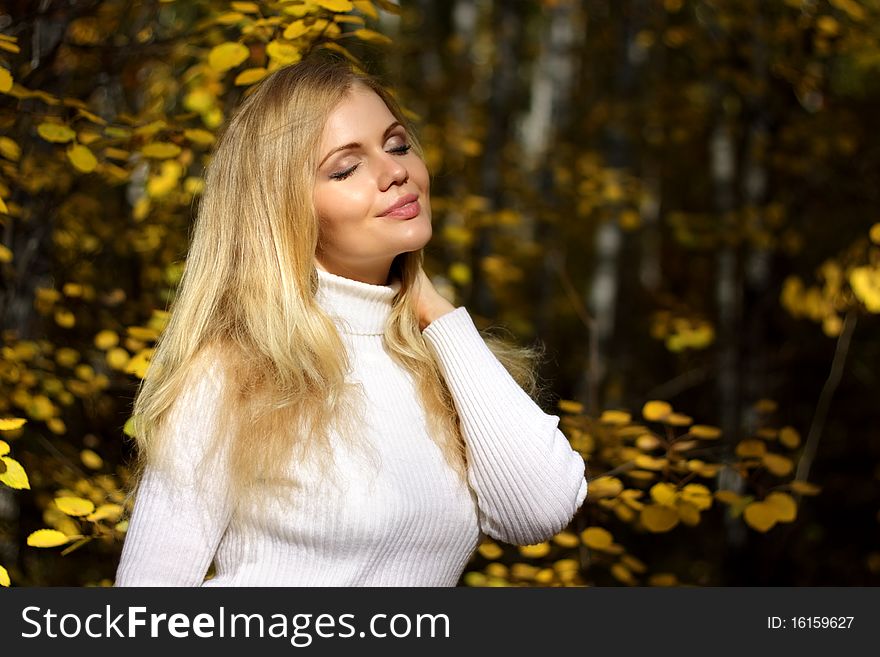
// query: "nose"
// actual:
[[392, 171]]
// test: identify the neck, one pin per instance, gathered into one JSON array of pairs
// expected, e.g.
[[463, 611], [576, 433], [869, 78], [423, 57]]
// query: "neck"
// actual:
[[379, 276], [357, 308]]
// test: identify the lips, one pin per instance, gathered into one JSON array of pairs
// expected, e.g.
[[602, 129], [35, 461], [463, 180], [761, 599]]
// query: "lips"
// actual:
[[399, 203]]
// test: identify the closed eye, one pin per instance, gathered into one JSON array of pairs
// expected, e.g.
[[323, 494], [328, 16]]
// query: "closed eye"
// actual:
[[397, 150]]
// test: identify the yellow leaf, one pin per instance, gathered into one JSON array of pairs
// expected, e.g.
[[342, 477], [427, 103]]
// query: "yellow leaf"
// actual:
[[727, 496], [64, 318], [143, 333], [335, 5], [688, 513], [751, 448], [109, 512], [371, 36], [655, 411], [786, 507], [139, 363], [641, 475], [227, 56], [55, 132], [248, 76], [4, 577], [703, 469], [705, 432], [605, 487], [760, 516], [664, 493], [777, 464], [56, 425], [5, 210], [130, 427], [82, 158], [199, 136], [805, 487], [460, 273], [647, 442], [621, 573], [828, 25], [245, 7], [14, 475], [490, 551], [568, 406], [789, 437], [473, 578], [623, 512], [283, 53], [74, 506], [615, 417], [597, 538], [366, 7], [5, 80], [46, 538], [663, 579], [874, 233], [678, 420], [117, 358], [295, 29], [5, 253], [650, 462], [698, 495], [535, 551], [4, 448], [865, 284], [106, 339], [230, 18], [199, 100], [658, 518], [161, 150], [566, 566], [566, 539], [91, 459], [633, 564], [683, 445], [11, 423], [628, 497], [9, 149]]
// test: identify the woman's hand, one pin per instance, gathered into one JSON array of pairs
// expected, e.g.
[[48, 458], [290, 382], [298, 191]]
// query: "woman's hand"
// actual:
[[430, 304]]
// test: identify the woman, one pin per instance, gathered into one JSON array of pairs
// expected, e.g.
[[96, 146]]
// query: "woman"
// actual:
[[315, 412]]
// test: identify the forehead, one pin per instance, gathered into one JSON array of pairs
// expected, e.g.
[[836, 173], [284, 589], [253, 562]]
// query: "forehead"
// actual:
[[358, 116]]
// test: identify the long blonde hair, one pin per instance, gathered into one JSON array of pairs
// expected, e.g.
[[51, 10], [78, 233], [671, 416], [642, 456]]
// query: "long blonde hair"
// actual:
[[245, 313]]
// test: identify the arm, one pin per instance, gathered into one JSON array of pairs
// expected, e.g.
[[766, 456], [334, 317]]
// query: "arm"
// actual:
[[178, 521], [528, 480]]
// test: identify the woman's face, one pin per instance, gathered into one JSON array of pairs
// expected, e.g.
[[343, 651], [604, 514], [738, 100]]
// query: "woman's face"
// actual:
[[365, 167]]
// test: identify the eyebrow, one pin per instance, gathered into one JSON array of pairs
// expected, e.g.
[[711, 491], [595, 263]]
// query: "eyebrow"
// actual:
[[356, 144]]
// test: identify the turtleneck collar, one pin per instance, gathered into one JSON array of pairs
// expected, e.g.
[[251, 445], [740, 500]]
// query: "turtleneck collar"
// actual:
[[358, 308]]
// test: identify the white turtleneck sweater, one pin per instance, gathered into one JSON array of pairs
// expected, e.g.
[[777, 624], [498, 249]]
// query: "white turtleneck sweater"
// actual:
[[415, 524]]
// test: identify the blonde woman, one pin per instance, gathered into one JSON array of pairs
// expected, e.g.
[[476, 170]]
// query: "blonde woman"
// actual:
[[315, 412]]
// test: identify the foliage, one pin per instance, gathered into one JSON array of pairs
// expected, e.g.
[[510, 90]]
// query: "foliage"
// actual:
[[663, 464], [103, 143], [704, 138]]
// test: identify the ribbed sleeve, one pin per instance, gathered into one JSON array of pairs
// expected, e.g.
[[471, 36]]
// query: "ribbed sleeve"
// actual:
[[178, 519], [528, 480]]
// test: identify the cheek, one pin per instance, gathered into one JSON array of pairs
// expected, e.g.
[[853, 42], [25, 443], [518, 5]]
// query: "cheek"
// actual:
[[420, 174], [341, 205]]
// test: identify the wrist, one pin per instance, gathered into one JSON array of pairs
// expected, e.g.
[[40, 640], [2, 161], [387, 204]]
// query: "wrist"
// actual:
[[435, 310]]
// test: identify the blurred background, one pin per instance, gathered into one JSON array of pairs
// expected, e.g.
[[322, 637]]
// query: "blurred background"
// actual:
[[676, 199]]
